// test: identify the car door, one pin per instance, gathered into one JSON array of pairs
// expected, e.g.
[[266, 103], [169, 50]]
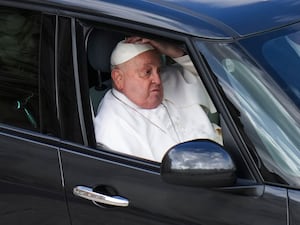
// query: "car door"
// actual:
[[31, 185], [294, 204], [152, 201], [104, 187]]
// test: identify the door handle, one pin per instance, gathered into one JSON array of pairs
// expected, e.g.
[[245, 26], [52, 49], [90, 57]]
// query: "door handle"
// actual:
[[88, 193]]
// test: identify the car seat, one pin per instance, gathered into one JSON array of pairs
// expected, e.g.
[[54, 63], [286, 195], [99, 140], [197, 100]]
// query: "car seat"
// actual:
[[100, 44]]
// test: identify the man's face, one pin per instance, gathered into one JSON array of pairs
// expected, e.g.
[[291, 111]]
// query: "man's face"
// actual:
[[140, 80]]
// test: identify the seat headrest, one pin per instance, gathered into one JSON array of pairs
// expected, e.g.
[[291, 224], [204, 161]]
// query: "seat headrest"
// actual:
[[99, 48]]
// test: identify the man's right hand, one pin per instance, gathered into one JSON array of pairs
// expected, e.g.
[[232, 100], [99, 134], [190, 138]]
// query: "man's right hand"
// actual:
[[168, 49]]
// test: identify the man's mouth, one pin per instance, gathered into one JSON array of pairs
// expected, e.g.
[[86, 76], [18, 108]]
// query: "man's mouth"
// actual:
[[155, 89]]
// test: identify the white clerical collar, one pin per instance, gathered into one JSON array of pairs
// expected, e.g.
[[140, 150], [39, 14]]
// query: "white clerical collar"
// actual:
[[125, 100], [120, 96], [294, 45]]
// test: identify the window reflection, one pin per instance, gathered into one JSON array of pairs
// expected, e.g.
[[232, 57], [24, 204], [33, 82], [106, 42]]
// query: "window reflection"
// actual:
[[283, 55], [269, 116], [19, 51]]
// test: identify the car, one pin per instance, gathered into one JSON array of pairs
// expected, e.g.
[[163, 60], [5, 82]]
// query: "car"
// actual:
[[54, 71]]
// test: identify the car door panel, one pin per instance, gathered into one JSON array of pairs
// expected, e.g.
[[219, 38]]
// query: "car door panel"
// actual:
[[294, 206], [152, 201], [31, 185]]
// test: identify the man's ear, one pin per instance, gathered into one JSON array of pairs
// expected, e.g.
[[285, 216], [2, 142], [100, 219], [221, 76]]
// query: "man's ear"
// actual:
[[117, 76]]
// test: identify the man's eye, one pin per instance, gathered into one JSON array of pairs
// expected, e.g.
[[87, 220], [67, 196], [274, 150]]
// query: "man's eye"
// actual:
[[147, 72]]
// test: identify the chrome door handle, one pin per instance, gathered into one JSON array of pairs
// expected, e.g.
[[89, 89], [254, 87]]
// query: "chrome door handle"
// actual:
[[88, 193]]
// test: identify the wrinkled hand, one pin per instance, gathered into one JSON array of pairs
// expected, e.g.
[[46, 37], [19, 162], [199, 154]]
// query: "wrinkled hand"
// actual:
[[164, 48]]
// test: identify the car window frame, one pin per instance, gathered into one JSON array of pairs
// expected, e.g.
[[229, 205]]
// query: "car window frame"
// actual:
[[130, 28]]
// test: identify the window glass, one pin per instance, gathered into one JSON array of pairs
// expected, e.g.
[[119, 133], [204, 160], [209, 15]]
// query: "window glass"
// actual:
[[19, 60], [282, 53], [268, 115]]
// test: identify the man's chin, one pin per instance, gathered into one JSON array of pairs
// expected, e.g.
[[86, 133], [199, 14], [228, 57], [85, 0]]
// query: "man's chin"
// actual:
[[153, 105]]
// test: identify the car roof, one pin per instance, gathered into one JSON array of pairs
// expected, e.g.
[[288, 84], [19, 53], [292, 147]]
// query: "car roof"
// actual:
[[202, 18]]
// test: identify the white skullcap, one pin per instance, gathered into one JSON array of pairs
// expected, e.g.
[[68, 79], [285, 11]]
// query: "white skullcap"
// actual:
[[126, 51]]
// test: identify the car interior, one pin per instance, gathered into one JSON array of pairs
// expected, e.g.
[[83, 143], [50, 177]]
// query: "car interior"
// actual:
[[19, 80], [100, 44]]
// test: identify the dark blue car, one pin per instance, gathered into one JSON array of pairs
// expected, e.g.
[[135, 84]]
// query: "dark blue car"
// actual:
[[54, 71]]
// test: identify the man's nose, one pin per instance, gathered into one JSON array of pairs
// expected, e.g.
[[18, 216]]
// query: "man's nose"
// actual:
[[156, 78]]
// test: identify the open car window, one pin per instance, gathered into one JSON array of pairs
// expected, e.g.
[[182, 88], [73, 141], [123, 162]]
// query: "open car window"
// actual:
[[99, 45]]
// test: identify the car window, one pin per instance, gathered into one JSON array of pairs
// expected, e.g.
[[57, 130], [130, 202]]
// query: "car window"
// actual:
[[286, 50], [19, 71], [267, 115], [139, 132]]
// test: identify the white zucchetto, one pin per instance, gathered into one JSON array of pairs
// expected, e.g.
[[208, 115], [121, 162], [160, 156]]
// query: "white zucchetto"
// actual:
[[126, 51]]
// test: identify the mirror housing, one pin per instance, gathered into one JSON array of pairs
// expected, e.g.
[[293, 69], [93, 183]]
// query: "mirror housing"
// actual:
[[200, 163]]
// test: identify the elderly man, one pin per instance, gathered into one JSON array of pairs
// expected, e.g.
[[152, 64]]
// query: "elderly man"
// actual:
[[152, 108]]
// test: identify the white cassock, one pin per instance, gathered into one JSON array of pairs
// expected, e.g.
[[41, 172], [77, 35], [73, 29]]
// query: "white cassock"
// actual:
[[124, 127]]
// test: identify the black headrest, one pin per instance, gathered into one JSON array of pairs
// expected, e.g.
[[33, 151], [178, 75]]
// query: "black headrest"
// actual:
[[100, 46]]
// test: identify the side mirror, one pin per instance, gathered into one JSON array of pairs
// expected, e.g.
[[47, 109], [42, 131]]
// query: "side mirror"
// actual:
[[198, 163]]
